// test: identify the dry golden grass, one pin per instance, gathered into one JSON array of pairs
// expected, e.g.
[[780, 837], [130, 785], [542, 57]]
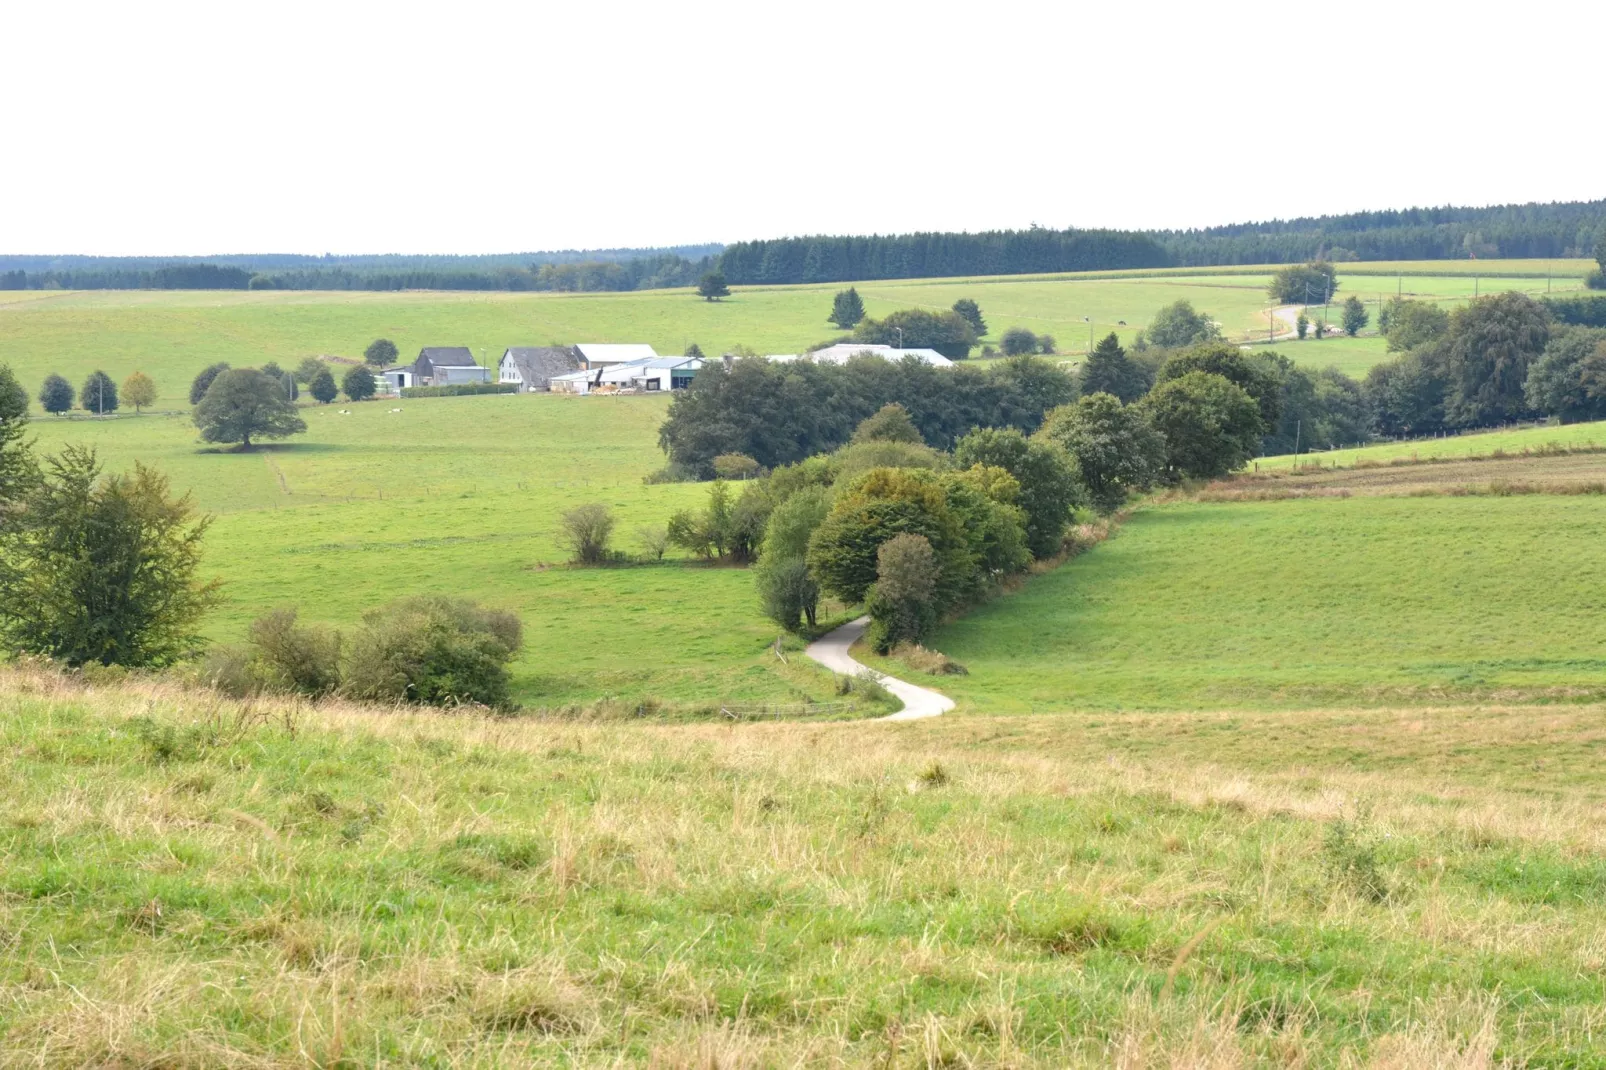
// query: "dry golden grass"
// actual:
[[284, 884]]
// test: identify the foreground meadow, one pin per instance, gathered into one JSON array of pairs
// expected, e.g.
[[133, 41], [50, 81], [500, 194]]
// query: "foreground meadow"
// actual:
[[171, 335], [187, 882]]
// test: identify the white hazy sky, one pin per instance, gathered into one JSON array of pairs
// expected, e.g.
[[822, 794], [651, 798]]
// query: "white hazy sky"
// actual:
[[169, 128]]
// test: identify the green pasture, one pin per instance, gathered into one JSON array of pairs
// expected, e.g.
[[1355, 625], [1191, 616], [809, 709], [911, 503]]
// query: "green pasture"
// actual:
[[171, 335], [1302, 603], [1468, 444], [461, 496], [1352, 356]]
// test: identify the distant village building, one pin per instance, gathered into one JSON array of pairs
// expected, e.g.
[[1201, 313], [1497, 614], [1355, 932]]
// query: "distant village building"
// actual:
[[437, 366], [532, 368], [846, 351], [647, 374], [598, 354]]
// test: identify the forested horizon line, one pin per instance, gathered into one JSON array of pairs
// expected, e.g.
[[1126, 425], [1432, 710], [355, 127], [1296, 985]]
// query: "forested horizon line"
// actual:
[[1512, 231]]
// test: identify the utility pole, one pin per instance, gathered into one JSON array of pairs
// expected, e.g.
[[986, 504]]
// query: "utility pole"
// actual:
[[1089, 320], [900, 336]]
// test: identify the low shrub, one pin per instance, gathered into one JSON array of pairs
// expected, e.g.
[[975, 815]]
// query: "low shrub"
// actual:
[[434, 651], [457, 390], [673, 472], [294, 657], [931, 662]]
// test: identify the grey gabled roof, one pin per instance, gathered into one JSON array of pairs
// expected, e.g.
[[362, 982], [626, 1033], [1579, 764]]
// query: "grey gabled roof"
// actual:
[[447, 356], [538, 364]]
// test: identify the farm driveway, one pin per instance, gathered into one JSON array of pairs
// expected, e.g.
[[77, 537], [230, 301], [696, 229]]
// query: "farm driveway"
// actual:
[[831, 650]]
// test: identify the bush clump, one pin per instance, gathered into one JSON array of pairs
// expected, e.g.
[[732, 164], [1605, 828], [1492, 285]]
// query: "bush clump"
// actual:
[[457, 390], [434, 651]]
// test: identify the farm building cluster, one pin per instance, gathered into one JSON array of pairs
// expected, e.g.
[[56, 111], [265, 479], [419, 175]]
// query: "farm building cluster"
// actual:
[[599, 368]]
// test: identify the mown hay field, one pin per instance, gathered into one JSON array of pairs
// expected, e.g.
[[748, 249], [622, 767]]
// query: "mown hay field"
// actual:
[[187, 882]]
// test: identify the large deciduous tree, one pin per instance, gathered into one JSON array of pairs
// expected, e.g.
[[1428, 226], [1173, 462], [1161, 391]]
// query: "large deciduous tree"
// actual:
[[1116, 449], [359, 383], [948, 333], [1355, 315], [56, 395], [98, 394], [323, 388], [1050, 486], [139, 390], [1211, 425], [712, 287], [380, 352], [18, 470], [1487, 352], [1177, 325], [203, 381], [902, 603], [243, 404], [1299, 284]]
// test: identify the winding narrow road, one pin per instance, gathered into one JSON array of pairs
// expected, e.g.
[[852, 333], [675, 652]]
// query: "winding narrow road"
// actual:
[[831, 650]]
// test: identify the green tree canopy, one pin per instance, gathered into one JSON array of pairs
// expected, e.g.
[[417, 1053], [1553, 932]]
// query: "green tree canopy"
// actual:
[[308, 370], [323, 388], [889, 423], [105, 569], [1415, 323], [902, 603], [244, 403], [1304, 284], [1487, 352], [1050, 486], [1109, 370], [380, 352], [359, 383], [1177, 325], [1211, 426], [872, 509], [1116, 450], [971, 313], [56, 395], [847, 309], [1355, 315], [1569, 378], [1018, 342], [98, 394], [918, 328], [203, 381], [711, 287], [1259, 379], [18, 470]]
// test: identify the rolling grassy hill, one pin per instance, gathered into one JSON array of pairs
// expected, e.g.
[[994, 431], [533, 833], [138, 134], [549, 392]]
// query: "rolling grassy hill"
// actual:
[[189, 882], [171, 335]]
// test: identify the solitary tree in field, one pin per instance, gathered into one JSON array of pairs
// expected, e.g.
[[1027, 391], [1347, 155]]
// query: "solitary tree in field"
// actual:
[[323, 388], [202, 381], [139, 391], [1355, 315], [847, 309], [972, 313], [1018, 342], [99, 394], [244, 403], [359, 384], [1302, 326], [56, 395], [380, 352], [712, 287], [584, 531]]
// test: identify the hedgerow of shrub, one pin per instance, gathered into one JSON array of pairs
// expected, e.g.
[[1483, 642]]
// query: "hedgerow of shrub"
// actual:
[[458, 390]]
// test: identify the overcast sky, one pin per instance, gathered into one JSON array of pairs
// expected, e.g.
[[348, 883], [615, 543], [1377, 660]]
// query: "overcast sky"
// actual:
[[165, 128]]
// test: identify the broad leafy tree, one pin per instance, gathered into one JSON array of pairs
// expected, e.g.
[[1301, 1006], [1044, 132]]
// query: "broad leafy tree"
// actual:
[[107, 569], [98, 394], [948, 333], [972, 315], [381, 352], [308, 370], [359, 383], [890, 423], [1050, 486], [1487, 352], [902, 603], [139, 390], [1177, 325], [323, 388], [1569, 379], [1117, 451], [1304, 284], [711, 287], [203, 381], [847, 309], [1108, 370], [1018, 342], [1259, 378], [56, 395], [245, 404], [1211, 426]]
